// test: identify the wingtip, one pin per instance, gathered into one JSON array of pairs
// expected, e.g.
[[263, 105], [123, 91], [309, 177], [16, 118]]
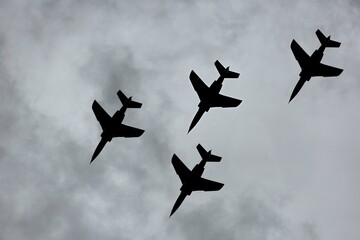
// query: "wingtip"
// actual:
[[142, 132], [240, 101], [94, 103], [293, 42]]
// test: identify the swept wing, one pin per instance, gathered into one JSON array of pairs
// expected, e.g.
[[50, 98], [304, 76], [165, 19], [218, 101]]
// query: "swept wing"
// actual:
[[127, 131], [200, 87], [326, 71], [301, 56], [101, 115], [225, 101], [180, 168], [207, 185]]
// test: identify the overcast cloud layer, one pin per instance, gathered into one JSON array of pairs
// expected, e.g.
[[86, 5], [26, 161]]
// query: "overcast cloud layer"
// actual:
[[291, 171]]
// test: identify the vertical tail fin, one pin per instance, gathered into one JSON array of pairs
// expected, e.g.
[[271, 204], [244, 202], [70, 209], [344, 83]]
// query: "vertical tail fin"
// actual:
[[206, 155], [127, 102], [225, 72], [326, 40]]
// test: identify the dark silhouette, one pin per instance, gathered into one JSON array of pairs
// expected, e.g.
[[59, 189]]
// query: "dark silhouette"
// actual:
[[112, 126], [311, 66], [192, 180], [209, 96]]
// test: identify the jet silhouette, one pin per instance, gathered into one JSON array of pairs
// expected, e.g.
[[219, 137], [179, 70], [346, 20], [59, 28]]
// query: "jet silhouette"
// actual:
[[112, 126], [192, 180], [209, 96], [310, 65]]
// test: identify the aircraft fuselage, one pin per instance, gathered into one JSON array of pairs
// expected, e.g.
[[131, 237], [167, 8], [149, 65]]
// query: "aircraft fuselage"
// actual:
[[315, 59], [214, 89], [195, 174], [116, 119], [216, 85]]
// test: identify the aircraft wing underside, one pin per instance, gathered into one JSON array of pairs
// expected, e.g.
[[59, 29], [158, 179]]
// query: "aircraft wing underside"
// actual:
[[127, 131], [207, 185], [200, 87], [301, 56], [180, 168], [225, 101], [101, 114], [326, 71]]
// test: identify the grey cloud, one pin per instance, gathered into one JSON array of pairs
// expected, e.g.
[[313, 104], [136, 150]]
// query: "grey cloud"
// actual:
[[48, 190], [249, 217]]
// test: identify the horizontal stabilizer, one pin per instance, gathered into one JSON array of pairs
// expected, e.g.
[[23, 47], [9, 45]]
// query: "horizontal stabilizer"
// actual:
[[127, 102], [326, 40], [320, 36], [225, 72], [333, 44], [213, 158], [206, 155]]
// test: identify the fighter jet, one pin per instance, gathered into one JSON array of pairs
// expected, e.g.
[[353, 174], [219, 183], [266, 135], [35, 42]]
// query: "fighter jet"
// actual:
[[310, 65], [209, 96], [112, 126], [192, 180]]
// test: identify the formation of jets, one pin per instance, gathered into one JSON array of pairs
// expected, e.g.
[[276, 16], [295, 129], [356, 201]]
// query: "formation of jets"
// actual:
[[209, 97]]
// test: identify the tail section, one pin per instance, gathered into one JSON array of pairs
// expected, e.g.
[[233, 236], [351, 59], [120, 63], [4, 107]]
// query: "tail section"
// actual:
[[326, 40], [127, 102], [206, 155], [225, 72]]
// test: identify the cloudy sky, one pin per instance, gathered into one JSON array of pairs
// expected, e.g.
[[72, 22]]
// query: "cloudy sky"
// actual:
[[291, 171]]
